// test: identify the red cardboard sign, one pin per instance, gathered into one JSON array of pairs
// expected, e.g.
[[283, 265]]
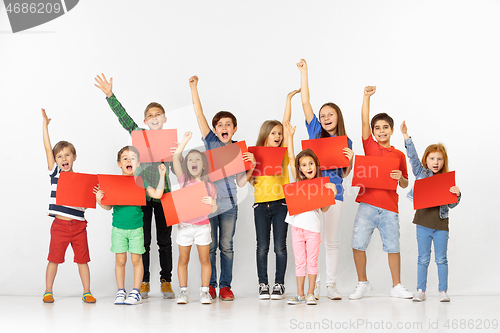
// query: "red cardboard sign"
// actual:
[[185, 204], [330, 151], [269, 160], [375, 172], [434, 191], [122, 190], [76, 190], [155, 146], [227, 160], [307, 195]]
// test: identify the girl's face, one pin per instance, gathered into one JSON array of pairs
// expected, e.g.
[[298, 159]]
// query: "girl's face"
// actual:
[[328, 119], [194, 164], [307, 166], [435, 161], [275, 137]]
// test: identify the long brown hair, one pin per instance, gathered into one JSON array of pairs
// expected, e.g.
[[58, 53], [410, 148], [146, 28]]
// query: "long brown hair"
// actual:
[[266, 129], [439, 147], [305, 153], [204, 172], [340, 121]]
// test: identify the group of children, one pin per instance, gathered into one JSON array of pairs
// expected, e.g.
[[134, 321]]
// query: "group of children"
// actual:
[[131, 231]]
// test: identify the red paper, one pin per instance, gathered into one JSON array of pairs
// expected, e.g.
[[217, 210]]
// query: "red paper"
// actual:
[[330, 151], [307, 195], [227, 160], [155, 146], [434, 191], [122, 190], [185, 204], [375, 172], [76, 190], [269, 160]]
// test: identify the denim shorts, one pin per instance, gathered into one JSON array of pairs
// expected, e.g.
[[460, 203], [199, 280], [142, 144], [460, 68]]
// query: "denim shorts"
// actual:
[[370, 217]]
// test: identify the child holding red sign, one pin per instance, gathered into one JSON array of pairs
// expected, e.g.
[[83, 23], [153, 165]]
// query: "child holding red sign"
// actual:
[[194, 169], [432, 223], [306, 237]]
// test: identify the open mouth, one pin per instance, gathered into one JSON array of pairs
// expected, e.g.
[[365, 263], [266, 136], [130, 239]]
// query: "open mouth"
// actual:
[[194, 168], [129, 168], [225, 135], [329, 123], [65, 165]]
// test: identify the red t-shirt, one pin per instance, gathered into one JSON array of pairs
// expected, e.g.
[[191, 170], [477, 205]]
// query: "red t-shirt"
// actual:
[[385, 199]]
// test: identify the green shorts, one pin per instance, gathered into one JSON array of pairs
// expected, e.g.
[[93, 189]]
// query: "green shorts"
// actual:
[[131, 240]]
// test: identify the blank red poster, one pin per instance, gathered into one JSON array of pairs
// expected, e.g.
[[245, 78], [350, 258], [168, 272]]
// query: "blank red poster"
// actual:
[[375, 172], [185, 204], [306, 195], [434, 191], [330, 151], [76, 190], [122, 190], [227, 160], [155, 146], [269, 160]]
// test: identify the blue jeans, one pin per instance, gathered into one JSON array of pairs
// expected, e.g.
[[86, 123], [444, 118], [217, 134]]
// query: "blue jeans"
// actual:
[[223, 225], [425, 237], [269, 214]]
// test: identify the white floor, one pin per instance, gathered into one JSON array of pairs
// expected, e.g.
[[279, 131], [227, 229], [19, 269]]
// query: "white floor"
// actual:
[[248, 314]]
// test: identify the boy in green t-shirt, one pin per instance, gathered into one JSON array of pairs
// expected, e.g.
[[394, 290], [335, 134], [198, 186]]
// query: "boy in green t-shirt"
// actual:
[[127, 233]]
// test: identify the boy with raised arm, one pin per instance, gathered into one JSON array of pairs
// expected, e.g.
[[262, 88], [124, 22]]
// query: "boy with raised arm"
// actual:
[[69, 226], [154, 118], [378, 208], [223, 221]]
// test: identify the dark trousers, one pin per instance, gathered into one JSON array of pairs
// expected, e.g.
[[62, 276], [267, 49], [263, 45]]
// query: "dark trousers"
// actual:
[[163, 239]]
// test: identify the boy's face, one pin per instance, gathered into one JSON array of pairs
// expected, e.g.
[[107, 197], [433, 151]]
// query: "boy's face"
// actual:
[[225, 130], [128, 163], [382, 131], [64, 159], [155, 118]]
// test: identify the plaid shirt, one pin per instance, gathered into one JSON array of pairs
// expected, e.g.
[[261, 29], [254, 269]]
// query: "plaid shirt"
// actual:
[[148, 171]]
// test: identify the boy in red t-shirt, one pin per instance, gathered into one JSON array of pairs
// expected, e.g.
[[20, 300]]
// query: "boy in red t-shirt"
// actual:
[[378, 208]]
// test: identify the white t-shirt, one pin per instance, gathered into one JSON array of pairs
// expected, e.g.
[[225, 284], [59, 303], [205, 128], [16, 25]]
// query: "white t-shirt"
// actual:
[[310, 220]]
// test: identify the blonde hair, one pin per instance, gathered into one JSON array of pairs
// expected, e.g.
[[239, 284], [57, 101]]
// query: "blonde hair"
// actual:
[[439, 147], [266, 129]]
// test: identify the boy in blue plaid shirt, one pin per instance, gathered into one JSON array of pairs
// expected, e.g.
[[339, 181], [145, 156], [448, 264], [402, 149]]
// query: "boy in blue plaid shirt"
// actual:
[[154, 118]]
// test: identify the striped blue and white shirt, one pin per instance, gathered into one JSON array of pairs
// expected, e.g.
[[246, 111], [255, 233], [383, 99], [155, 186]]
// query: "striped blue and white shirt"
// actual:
[[75, 213]]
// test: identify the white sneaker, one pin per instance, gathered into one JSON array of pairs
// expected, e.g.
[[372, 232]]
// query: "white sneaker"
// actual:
[[316, 290], [121, 295], [311, 300], [419, 296], [333, 294], [443, 296], [183, 297], [400, 291], [205, 297], [362, 288], [134, 298]]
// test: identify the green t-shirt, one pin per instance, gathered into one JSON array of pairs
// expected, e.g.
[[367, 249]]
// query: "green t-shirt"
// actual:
[[128, 217]]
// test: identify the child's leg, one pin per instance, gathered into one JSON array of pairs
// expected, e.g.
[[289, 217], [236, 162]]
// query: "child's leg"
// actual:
[[50, 276], [182, 266], [300, 285], [120, 261], [360, 263], [138, 269], [424, 243], [313, 241], [206, 268], [84, 271], [395, 267], [441, 257], [299, 252]]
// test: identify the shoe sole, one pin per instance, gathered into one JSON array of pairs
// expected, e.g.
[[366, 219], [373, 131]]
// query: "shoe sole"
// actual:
[[227, 299], [312, 303], [145, 295], [277, 297], [396, 296], [169, 296], [418, 300], [336, 298], [264, 297]]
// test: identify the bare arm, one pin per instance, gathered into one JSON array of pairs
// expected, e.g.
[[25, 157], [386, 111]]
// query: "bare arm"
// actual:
[[99, 194], [304, 87], [242, 178], [288, 112], [46, 141], [158, 192], [365, 112], [198, 110], [291, 155], [178, 154]]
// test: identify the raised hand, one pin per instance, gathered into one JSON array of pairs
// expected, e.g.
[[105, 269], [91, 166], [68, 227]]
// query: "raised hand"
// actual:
[[302, 66], [162, 169], [369, 90], [187, 136], [289, 128], [104, 85], [404, 129], [46, 120], [193, 81], [293, 93]]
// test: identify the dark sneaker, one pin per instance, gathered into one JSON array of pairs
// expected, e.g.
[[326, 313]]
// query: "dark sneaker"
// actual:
[[278, 291], [264, 291]]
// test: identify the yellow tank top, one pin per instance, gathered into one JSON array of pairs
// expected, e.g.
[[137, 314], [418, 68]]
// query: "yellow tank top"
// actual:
[[269, 188]]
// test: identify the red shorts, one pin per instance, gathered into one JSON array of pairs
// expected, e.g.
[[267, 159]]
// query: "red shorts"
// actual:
[[63, 233]]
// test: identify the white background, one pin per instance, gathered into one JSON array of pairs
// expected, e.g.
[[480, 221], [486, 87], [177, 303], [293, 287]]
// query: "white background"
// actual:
[[435, 65]]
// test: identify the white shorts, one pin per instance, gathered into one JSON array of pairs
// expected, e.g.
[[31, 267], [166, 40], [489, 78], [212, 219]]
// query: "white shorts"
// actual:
[[189, 234]]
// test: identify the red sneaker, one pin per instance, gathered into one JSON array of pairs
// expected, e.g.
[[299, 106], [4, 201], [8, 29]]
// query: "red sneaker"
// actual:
[[226, 294], [212, 292]]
